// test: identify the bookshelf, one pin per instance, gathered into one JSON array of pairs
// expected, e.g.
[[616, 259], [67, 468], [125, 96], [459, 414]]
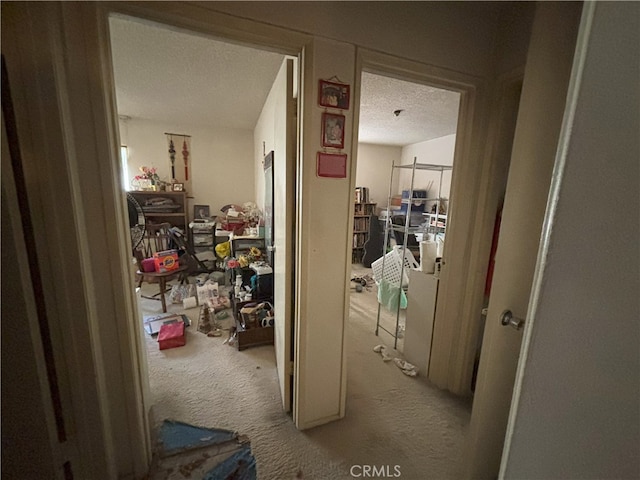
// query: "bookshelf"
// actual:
[[161, 207], [361, 218]]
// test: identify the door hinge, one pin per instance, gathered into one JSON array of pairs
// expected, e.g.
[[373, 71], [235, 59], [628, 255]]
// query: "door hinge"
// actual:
[[291, 368]]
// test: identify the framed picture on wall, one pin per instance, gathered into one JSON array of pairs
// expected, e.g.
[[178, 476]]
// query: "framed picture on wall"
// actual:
[[331, 94], [333, 130]]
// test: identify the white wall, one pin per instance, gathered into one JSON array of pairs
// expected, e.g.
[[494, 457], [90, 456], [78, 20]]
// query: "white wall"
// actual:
[[512, 39], [438, 151], [324, 251], [452, 35], [222, 165], [577, 415], [374, 170]]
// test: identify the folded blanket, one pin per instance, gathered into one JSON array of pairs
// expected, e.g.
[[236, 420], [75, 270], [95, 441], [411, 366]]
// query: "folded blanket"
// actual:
[[389, 295]]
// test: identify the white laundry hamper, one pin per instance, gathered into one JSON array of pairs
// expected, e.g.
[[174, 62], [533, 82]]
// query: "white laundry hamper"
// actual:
[[393, 266]]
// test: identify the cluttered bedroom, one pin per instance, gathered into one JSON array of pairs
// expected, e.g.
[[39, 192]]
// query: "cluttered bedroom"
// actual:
[[199, 167]]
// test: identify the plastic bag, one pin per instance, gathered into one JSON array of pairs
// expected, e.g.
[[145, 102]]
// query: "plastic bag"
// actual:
[[389, 295], [223, 250], [180, 292], [207, 293]]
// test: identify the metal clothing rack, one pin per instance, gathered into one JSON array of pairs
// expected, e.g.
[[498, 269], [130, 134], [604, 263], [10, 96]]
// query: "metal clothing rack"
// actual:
[[406, 229]]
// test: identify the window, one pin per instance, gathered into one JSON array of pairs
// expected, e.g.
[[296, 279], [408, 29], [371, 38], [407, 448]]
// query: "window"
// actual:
[[124, 162]]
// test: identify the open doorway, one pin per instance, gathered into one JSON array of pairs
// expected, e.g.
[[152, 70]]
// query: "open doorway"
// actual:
[[198, 116], [401, 208]]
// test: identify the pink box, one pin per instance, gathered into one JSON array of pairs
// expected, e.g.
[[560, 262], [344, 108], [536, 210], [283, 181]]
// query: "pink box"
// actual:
[[148, 265], [172, 335]]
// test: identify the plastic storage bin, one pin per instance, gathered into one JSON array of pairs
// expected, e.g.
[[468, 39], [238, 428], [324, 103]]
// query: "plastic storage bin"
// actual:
[[393, 266]]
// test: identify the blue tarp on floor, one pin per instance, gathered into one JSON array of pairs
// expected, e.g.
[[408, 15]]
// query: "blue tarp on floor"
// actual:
[[177, 437], [239, 466]]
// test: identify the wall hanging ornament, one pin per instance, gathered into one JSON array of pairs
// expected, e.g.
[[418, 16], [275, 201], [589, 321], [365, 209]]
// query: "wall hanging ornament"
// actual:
[[180, 173], [172, 157], [185, 156]]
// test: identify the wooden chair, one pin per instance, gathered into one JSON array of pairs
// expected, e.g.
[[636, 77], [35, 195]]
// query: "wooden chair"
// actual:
[[157, 239]]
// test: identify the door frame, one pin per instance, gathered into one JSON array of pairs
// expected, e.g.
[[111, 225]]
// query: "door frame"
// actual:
[[494, 178], [198, 20], [468, 233]]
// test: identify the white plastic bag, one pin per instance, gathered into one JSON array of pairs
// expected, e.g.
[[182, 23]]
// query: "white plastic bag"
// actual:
[[180, 292], [207, 293]]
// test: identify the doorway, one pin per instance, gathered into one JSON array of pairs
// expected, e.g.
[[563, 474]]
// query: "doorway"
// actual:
[[175, 84], [401, 121]]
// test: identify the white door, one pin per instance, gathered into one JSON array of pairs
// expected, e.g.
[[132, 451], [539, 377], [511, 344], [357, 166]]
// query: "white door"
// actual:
[[283, 234], [540, 116]]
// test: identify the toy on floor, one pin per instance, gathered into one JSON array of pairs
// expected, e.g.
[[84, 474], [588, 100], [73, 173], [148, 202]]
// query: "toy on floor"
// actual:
[[362, 282]]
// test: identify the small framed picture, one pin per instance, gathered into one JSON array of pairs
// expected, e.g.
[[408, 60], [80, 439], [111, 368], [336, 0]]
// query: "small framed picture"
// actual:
[[331, 94], [201, 212], [332, 165], [177, 187], [333, 130]]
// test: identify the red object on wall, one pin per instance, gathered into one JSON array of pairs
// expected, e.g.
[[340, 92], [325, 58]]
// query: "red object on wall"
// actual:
[[492, 255], [172, 335], [332, 165]]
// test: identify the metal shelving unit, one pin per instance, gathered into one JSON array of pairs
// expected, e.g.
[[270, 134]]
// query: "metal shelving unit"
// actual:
[[407, 229]]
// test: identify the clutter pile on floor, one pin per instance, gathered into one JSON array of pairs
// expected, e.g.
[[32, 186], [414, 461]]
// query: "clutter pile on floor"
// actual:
[[363, 282], [406, 367]]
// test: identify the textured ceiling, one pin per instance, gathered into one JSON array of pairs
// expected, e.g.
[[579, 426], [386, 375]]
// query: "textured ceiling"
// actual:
[[164, 74], [427, 112], [167, 75]]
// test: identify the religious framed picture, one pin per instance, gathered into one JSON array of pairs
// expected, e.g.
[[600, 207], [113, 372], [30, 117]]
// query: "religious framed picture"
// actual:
[[332, 165], [331, 94], [177, 187], [333, 130]]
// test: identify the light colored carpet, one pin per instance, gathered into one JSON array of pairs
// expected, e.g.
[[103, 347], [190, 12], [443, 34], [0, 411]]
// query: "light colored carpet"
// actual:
[[391, 419]]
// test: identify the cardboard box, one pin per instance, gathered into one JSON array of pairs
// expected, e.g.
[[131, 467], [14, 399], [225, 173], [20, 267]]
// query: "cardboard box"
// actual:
[[254, 337], [172, 335], [166, 260]]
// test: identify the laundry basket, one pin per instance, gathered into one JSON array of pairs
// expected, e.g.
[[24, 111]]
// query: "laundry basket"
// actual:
[[393, 265]]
